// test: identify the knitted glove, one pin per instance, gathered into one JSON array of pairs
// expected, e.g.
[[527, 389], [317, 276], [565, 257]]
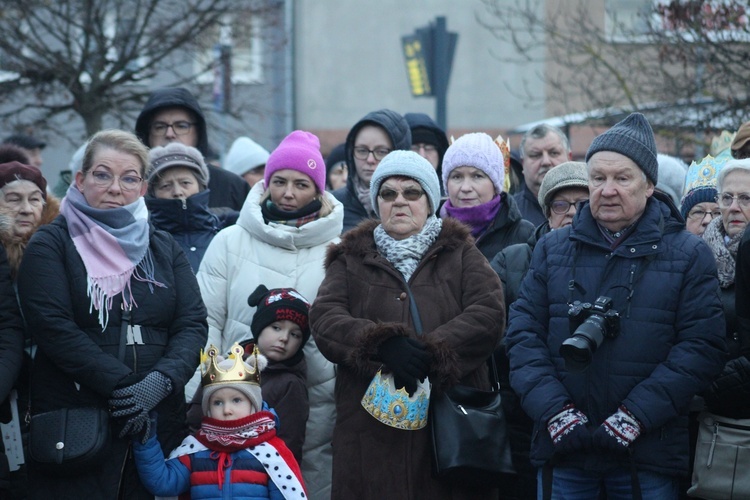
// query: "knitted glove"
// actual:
[[136, 400], [150, 429], [568, 430], [618, 431], [407, 359]]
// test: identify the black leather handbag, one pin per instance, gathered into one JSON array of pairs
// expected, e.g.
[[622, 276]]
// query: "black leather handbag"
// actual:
[[470, 436], [69, 440]]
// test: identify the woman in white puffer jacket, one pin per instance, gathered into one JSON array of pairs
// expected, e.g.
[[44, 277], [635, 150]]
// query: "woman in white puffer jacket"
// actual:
[[280, 240]]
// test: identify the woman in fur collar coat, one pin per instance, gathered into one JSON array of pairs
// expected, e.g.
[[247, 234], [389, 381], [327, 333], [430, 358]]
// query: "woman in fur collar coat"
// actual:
[[361, 320]]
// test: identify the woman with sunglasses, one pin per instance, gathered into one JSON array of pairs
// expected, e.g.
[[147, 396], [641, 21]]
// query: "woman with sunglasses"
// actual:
[[280, 239], [362, 320], [369, 140], [473, 176], [79, 274]]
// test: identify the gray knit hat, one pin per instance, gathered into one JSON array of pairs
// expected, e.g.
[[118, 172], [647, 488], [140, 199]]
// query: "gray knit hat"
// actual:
[[406, 164], [175, 154], [634, 138], [564, 175], [476, 150]]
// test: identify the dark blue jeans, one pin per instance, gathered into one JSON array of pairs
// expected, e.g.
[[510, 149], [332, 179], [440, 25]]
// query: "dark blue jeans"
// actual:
[[578, 484]]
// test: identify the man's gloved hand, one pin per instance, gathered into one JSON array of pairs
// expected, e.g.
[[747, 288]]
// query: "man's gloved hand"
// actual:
[[618, 431], [568, 430], [136, 400], [407, 359]]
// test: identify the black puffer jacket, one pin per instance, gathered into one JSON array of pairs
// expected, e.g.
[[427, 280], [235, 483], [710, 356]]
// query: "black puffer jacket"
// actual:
[[507, 229], [11, 329], [189, 222], [77, 365], [398, 130], [228, 190]]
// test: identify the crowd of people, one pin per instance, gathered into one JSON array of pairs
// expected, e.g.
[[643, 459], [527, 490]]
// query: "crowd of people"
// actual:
[[231, 318]]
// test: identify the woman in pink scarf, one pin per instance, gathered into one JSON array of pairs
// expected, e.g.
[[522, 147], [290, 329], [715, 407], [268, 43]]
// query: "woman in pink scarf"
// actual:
[[79, 275]]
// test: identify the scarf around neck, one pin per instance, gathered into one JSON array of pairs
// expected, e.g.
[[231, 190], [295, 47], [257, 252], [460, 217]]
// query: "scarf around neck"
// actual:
[[298, 218], [234, 435], [478, 217], [724, 249], [112, 243], [363, 195], [405, 254]]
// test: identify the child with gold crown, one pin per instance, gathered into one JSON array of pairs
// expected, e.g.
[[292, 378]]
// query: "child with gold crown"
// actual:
[[223, 459]]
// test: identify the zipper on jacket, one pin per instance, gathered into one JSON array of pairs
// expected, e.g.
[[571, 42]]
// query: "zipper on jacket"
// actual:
[[630, 287], [184, 203]]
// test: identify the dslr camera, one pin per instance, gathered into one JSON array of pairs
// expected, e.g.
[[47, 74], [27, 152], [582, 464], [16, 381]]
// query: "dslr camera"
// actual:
[[590, 324]]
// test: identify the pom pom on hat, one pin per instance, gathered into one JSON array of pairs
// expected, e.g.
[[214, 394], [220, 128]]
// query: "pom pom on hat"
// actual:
[[175, 154], [298, 151], [279, 304], [406, 164], [634, 138], [476, 150]]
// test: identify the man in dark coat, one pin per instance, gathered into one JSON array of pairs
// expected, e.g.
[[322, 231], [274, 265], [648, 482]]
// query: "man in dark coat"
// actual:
[[355, 194], [615, 398], [172, 107], [542, 148]]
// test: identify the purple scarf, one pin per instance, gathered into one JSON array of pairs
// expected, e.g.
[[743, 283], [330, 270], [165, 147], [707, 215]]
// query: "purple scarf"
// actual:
[[478, 217], [111, 243]]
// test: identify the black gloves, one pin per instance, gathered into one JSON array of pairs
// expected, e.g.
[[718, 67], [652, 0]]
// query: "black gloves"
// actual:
[[136, 400], [407, 359]]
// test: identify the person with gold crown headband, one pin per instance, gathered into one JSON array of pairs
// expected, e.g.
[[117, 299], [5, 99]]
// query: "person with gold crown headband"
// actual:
[[235, 453]]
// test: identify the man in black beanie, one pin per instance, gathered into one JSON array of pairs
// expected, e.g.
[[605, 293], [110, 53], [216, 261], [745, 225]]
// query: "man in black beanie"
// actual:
[[609, 385]]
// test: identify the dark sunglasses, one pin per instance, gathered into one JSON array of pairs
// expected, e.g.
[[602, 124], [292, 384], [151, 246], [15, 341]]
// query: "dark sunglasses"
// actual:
[[410, 194]]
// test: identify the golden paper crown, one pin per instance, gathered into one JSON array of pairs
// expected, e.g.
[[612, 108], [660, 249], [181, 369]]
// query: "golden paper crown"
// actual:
[[504, 146], [239, 372]]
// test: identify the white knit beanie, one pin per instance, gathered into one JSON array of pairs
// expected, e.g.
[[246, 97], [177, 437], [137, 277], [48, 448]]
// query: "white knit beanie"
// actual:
[[245, 155], [476, 150], [406, 164]]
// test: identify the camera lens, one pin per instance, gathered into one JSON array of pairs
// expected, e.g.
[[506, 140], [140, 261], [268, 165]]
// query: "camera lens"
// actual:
[[576, 352], [578, 349]]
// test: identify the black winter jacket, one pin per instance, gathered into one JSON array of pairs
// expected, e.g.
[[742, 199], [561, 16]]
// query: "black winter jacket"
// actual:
[[11, 330], [189, 222], [398, 130], [228, 190], [663, 281], [76, 363], [507, 229], [529, 206]]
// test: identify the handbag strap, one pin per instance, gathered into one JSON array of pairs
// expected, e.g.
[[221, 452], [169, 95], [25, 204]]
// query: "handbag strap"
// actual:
[[414, 311]]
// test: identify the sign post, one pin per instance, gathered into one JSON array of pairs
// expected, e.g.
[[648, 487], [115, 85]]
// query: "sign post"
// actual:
[[428, 53]]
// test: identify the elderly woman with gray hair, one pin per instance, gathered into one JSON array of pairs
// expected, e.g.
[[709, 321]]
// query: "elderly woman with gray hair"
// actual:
[[729, 394], [381, 279]]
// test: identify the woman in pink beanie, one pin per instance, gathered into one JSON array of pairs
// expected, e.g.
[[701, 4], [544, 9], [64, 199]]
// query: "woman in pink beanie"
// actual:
[[280, 239]]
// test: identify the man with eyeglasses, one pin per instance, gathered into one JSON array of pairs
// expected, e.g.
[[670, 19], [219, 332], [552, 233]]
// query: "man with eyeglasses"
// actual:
[[172, 114], [618, 324], [368, 142]]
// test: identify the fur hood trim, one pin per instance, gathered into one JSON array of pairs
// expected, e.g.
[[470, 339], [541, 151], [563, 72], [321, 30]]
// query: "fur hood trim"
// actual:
[[360, 240]]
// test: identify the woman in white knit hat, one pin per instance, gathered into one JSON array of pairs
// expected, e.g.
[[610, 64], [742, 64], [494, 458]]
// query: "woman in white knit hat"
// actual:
[[473, 175]]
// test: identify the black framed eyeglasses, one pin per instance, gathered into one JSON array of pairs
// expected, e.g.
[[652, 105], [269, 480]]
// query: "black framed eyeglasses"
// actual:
[[410, 194], [361, 153], [180, 127]]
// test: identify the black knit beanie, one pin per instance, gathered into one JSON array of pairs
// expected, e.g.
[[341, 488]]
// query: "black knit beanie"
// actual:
[[634, 138], [279, 304]]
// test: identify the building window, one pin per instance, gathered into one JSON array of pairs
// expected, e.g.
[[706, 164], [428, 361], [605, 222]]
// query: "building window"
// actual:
[[242, 34]]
